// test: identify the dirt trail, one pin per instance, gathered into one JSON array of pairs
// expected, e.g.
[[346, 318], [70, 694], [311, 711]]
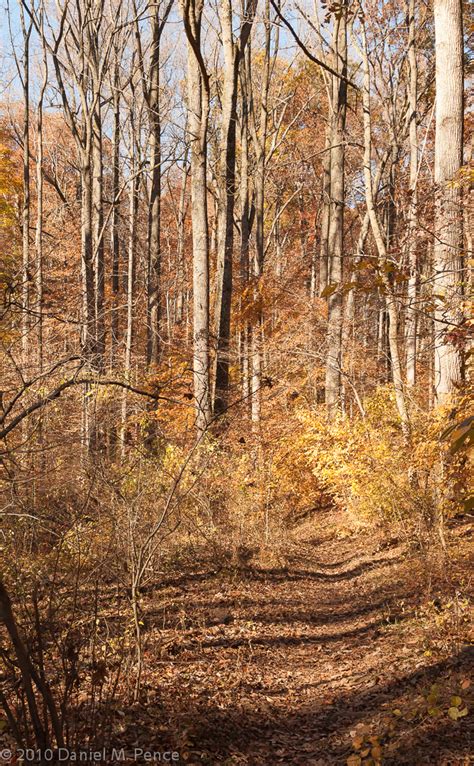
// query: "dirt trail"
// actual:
[[279, 666]]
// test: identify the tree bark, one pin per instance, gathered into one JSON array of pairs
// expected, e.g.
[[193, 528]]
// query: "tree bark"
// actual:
[[98, 235], [154, 211], [233, 54], [448, 212], [225, 221], [326, 206], [26, 276], [411, 315], [132, 236], [115, 219], [336, 223], [390, 299], [39, 215], [198, 115]]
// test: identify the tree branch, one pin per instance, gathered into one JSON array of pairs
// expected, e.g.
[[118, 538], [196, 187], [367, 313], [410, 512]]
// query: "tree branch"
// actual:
[[308, 53]]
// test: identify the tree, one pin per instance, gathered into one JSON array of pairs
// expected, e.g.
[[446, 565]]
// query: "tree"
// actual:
[[234, 52], [448, 239], [384, 266], [335, 237], [412, 87], [198, 116]]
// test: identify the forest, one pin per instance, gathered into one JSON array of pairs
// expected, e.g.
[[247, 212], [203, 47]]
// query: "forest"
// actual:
[[236, 412]]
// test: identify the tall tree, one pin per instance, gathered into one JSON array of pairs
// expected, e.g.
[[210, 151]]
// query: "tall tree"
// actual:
[[198, 118], [150, 78], [258, 121], [412, 88], [115, 214], [39, 208], [233, 53], [380, 242], [448, 239], [336, 216], [23, 68]]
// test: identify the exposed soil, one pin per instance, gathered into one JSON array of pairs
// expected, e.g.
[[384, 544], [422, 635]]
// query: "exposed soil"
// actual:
[[302, 664]]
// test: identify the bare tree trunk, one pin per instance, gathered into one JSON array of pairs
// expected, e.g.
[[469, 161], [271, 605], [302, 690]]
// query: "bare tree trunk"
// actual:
[[39, 216], [390, 299], [24, 664], [180, 262], [225, 220], [411, 317], [336, 225], [93, 57], [115, 220], [132, 236], [198, 106], [468, 222], [349, 310], [233, 54], [154, 211], [98, 235], [448, 212], [88, 292], [245, 228], [259, 140], [26, 277], [326, 207]]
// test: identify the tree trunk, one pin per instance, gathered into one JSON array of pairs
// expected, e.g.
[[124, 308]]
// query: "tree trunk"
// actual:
[[180, 261], [88, 291], [390, 300], [336, 225], [132, 236], [233, 54], [198, 106], [25, 284], [98, 236], [245, 227], [225, 221], [115, 222], [326, 206], [448, 212], [259, 138], [39, 217], [411, 316], [154, 212]]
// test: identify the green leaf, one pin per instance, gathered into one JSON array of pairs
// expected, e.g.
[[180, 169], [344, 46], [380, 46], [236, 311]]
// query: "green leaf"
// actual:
[[453, 713], [456, 701]]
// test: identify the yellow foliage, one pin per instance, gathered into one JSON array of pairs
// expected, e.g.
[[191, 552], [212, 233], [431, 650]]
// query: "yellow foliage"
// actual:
[[369, 469], [10, 189]]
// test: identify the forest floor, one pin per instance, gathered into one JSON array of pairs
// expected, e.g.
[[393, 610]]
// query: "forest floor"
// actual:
[[354, 646]]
